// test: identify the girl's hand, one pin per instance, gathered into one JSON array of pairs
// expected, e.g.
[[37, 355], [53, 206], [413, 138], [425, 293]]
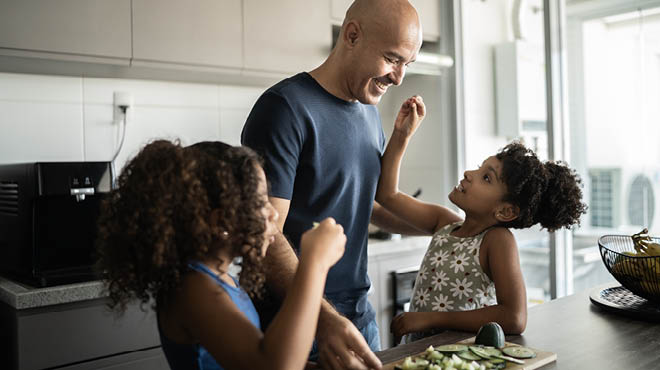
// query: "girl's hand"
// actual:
[[410, 322], [410, 116], [323, 244]]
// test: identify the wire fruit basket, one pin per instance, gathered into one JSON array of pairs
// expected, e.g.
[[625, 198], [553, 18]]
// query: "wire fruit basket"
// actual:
[[639, 274]]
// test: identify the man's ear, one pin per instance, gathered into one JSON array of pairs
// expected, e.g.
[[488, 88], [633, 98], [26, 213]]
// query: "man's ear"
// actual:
[[352, 33], [507, 212]]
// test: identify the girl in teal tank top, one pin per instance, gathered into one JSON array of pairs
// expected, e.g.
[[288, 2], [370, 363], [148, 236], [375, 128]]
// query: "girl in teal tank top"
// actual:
[[168, 234]]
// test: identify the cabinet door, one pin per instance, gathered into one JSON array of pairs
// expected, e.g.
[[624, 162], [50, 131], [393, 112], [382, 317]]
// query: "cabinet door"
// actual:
[[286, 35], [338, 10], [97, 28], [429, 14], [381, 280], [53, 336], [194, 32]]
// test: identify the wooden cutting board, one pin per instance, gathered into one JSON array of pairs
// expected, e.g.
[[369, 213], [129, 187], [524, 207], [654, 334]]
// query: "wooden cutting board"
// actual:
[[542, 358]]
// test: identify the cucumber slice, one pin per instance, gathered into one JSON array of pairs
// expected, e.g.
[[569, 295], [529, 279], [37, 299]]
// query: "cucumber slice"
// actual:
[[496, 363], [519, 352], [452, 348], [479, 351], [492, 351], [468, 355]]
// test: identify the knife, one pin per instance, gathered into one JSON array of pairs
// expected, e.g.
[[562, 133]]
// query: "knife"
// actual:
[[510, 359]]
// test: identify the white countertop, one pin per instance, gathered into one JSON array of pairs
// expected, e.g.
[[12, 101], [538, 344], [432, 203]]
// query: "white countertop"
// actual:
[[377, 248]]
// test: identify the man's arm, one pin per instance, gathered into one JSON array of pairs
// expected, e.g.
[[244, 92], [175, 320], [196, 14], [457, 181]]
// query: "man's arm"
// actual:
[[340, 344]]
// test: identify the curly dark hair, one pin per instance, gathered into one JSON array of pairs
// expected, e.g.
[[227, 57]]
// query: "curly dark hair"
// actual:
[[157, 220], [548, 193]]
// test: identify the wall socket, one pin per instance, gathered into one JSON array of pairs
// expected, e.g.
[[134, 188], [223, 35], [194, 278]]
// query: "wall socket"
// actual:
[[121, 98]]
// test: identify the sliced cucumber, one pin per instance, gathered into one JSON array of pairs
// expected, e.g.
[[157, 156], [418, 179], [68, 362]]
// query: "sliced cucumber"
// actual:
[[452, 348], [479, 351], [468, 355], [519, 352], [492, 351], [496, 363]]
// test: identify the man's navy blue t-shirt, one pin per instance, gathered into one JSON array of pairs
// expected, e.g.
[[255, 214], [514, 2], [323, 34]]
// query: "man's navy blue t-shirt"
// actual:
[[323, 154]]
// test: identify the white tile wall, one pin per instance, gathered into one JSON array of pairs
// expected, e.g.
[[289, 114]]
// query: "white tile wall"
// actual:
[[40, 118], [53, 118]]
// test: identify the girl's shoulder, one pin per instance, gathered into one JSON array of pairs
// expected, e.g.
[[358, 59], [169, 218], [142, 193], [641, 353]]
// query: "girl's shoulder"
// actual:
[[196, 286], [499, 236]]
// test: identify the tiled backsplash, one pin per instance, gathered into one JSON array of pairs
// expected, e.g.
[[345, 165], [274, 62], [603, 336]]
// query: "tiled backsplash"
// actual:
[[55, 118]]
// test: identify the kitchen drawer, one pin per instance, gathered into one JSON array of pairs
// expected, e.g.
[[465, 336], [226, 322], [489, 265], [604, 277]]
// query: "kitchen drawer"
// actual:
[[151, 359], [55, 336]]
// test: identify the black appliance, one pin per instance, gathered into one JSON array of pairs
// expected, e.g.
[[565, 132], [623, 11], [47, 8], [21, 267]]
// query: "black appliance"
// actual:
[[48, 214]]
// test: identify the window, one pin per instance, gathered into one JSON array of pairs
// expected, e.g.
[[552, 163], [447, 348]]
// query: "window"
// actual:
[[602, 198]]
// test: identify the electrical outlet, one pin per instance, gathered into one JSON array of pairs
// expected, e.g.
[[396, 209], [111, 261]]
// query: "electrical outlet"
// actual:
[[121, 98]]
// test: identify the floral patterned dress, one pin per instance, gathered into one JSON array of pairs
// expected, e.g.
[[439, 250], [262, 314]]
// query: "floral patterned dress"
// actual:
[[450, 277]]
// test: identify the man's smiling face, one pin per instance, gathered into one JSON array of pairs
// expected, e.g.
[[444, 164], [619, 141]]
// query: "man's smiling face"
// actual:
[[380, 61]]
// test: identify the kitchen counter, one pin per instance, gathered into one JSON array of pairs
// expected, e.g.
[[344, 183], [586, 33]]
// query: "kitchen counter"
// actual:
[[377, 247], [582, 335], [20, 296]]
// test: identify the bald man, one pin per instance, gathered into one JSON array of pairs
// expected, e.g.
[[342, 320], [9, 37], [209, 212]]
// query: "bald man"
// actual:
[[322, 139]]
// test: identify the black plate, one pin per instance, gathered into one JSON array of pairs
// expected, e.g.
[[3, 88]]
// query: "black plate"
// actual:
[[622, 301]]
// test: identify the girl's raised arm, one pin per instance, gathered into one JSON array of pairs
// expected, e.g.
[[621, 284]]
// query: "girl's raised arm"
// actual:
[[426, 217]]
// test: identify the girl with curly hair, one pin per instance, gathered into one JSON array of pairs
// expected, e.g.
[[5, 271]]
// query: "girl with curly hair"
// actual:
[[168, 235], [471, 274]]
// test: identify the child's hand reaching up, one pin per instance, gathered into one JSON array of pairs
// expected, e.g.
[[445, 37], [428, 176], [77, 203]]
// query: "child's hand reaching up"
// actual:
[[323, 244], [410, 116]]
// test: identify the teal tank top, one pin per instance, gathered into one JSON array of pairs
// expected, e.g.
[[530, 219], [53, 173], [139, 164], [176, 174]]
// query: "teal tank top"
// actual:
[[195, 356]]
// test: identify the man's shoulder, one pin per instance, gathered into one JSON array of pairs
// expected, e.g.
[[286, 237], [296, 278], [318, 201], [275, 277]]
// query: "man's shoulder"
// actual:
[[292, 86]]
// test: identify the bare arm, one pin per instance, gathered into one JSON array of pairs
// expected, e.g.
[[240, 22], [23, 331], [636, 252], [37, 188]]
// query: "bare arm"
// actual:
[[423, 216], [388, 221], [511, 309], [234, 342], [340, 344]]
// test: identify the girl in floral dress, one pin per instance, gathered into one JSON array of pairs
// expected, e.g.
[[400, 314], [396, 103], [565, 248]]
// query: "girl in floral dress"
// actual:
[[471, 274]]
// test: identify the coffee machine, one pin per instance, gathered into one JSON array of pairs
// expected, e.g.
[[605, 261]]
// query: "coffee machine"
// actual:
[[48, 214]]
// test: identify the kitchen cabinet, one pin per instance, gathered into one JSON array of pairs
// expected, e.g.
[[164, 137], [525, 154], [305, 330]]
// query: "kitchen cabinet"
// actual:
[[385, 257], [338, 10], [77, 30], [286, 36], [70, 327], [429, 14], [194, 32]]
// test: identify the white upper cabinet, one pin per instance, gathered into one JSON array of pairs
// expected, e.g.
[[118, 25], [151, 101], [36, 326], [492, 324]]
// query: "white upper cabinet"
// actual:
[[429, 13], [286, 36], [67, 28], [338, 10], [192, 32]]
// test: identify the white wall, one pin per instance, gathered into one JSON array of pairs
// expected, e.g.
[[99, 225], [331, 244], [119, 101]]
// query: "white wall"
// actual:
[[485, 24], [55, 118]]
